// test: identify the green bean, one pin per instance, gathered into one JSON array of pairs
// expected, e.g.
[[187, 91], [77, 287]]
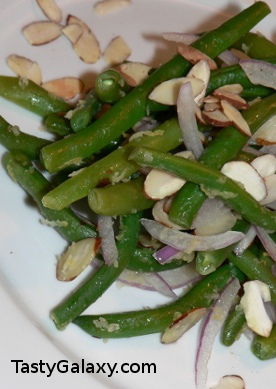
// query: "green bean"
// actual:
[[31, 96], [233, 326], [110, 86], [154, 320], [57, 124], [133, 107], [113, 167], [220, 150], [14, 140], [85, 111], [209, 261], [256, 46], [120, 199], [256, 91], [100, 281], [265, 348], [255, 269], [65, 221]]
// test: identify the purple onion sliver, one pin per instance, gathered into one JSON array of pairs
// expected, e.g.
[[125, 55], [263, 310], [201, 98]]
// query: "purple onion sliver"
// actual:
[[267, 241], [229, 58], [165, 254], [260, 72]]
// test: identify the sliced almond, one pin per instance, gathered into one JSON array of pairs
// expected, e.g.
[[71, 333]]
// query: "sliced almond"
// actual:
[[244, 173], [167, 92], [76, 258], [117, 51], [252, 302], [86, 46], [266, 134], [201, 71], [134, 72], [199, 117], [265, 165], [39, 33], [210, 107], [105, 7], [50, 9], [73, 32], [270, 183], [146, 240], [230, 382], [66, 88], [25, 68], [239, 54], [231, 88], [193, 55], [210, 99], [162, 217], [216, 118], [159, 184], [236, 118], [232, 98], [182, 325]]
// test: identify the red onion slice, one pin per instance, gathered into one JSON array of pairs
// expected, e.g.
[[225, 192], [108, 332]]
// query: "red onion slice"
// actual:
[[267, 241], [268, 150], [260, 72], [165, 254], [187, 242], [186, 110], [246, 241], [108, 244], [210, 329], [229, 58]]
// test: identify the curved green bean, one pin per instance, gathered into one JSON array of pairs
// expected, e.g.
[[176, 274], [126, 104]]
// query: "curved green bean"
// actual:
[[85, 111], [133, 107], [256, 46], [265, 348], [233, 326], [57, 124]]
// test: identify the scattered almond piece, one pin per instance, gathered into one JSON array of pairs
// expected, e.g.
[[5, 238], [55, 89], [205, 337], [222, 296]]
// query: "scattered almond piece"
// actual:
[[86, 46], [162, 217], [235, 117], [199, 117], [116, 52], [39, 33], [270, 183], [266, 134], [66, 88], [210, 107], [50, 9], [201, 71], [230, 382], [76, 258], [25, 68], [182, 325], [216, 118], [239, 54], [232, 98], [107, 6], [167, 92], [265, 165], [232, 88], [134, 72], [193, 55], [210, 99], [244, 173], [73, 32]]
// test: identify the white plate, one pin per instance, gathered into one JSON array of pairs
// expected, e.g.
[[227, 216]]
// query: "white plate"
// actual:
[[29, 289]]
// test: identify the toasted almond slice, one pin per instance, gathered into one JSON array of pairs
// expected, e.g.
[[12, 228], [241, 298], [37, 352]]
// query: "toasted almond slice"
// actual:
[[107, 6], [210, 99], [270, 183], [232, 88], [39, 33], [162, 217], [134, 72], [232, 98], [236, 118], [265, 165], [230, 382], [117, 51], [182, 325], [50, 9], [66, 88], [193, 55], [25, 68], [159, 184], [86, 46], [216, 118], [210, 107], [167, 91], [76, 258], [266, 134], [199, 117], [244, 173], [239, 54], [201, 71], [73, 32]]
